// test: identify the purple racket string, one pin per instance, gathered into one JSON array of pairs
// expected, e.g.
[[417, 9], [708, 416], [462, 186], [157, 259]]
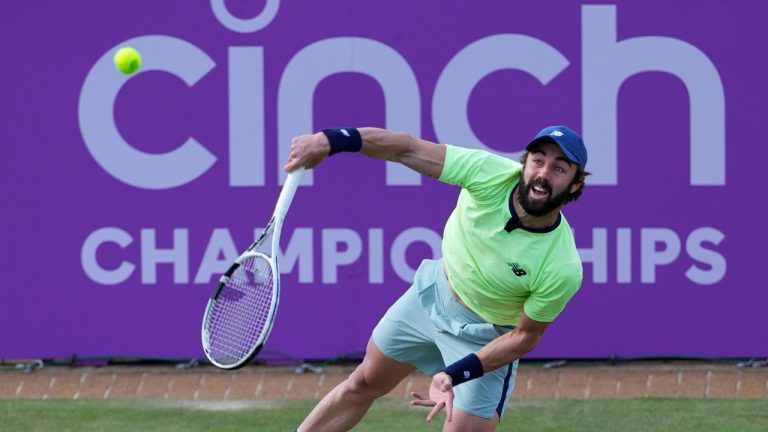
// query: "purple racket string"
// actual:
[[241, 313]]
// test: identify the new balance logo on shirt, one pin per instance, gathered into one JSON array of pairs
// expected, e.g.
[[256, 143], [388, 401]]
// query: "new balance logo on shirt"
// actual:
[[517, 269]]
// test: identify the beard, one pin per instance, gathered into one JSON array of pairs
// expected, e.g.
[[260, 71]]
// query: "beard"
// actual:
[[540, 208]]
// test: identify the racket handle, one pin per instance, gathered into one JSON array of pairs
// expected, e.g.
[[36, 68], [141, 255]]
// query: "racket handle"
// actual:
[[289, 190]]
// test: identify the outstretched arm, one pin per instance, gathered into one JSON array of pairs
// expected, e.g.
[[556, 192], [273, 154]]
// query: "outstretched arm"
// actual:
[[422, 156]]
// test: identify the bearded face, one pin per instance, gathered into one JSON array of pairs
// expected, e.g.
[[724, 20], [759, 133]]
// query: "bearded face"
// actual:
[[536, 197], [549, 180]]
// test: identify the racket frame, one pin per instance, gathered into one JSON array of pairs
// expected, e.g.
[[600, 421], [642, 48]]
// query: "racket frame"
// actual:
[[274, 227]]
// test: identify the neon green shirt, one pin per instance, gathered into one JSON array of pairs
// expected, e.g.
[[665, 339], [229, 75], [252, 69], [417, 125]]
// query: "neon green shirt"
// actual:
[[499, 274]]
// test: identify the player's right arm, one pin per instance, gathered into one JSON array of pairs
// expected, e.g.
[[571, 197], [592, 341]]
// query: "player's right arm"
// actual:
[[422, 156]]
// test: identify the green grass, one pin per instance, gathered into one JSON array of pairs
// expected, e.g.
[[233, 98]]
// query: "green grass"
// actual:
[[678, 415]]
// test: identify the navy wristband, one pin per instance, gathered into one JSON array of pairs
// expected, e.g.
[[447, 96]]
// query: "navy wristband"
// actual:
[[343, 140], [465, 369]]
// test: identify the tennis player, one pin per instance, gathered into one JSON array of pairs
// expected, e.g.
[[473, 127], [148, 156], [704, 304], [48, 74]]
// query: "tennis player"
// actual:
[[509, 267]]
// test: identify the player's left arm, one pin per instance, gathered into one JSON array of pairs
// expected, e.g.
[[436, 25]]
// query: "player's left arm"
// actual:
[[498, 353], [511, 346], [545, 303]]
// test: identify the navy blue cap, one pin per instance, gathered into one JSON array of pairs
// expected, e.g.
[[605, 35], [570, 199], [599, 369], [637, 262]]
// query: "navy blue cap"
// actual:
[[569, 142]]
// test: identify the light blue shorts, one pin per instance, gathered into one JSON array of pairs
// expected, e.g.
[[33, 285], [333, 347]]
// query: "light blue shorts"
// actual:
[[428, 328]]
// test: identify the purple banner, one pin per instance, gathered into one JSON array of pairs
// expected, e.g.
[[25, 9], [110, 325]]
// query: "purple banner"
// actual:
[[126, 196]]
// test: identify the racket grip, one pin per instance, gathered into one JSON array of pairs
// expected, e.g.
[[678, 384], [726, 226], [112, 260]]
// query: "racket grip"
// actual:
[[289, 190]]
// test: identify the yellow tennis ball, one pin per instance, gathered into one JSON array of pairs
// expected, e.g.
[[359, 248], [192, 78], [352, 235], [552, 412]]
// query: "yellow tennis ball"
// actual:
[[127, 60]]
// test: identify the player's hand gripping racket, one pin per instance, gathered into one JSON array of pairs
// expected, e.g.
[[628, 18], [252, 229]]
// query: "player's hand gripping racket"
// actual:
[[240, 313]]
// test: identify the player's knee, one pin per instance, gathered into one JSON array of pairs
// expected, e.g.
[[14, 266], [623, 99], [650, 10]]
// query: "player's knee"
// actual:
[[361, 384]]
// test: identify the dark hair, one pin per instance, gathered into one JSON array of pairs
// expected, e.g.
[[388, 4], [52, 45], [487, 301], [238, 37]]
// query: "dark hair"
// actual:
[[580, 177]]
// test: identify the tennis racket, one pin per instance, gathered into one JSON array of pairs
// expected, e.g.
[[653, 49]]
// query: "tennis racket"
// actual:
[[240, 313]]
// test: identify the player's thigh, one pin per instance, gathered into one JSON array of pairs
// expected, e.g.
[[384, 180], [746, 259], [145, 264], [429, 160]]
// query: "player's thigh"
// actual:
[[407, 334], [380, 373], [465, 422]]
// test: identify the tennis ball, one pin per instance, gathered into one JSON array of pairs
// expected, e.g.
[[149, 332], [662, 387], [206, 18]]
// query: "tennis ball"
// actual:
[[127, 60]]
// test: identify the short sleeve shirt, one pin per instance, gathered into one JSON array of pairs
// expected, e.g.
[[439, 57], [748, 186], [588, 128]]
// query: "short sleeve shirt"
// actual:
[[499, 274]]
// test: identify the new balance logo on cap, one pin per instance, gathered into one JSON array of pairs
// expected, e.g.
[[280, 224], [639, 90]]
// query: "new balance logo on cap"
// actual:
[[516, 269], [569, 142]]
